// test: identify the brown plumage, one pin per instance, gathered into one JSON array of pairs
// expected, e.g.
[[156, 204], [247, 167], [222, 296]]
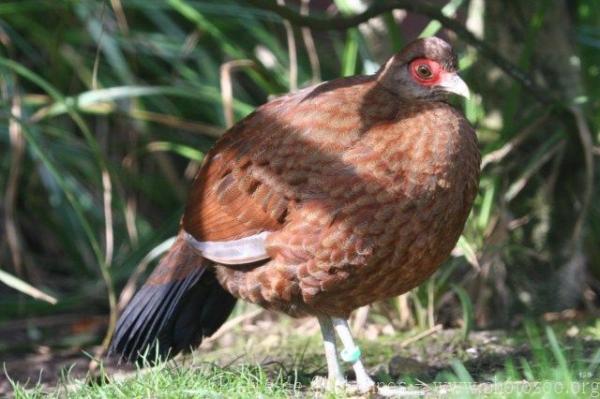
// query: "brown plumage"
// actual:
[[358, 188]]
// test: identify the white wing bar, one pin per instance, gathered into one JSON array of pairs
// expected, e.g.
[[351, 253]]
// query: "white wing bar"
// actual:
[[234, 252]]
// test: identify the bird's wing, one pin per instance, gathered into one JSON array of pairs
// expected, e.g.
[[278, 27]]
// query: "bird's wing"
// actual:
[[239, 191], [260, 171], [235, 201]]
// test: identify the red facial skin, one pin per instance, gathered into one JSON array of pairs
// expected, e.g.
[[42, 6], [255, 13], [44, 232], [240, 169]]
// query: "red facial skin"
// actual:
[[436, 71]]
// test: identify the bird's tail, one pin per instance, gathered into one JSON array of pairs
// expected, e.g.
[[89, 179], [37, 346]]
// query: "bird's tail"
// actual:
[[180, 303]]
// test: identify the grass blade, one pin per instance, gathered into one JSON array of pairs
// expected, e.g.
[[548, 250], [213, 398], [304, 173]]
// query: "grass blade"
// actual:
[[28, 289], [467, 310]]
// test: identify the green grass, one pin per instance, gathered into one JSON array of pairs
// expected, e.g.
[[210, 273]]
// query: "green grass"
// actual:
[[176, 382], [531, 363]]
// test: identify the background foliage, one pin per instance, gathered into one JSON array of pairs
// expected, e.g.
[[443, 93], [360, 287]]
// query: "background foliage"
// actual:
[[107, 108]]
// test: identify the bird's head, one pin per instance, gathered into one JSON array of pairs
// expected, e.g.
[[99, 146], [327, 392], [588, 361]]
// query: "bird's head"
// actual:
[[426, 69]]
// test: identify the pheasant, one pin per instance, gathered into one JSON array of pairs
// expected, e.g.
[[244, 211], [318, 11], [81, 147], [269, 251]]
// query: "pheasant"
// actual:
[[321, 201]]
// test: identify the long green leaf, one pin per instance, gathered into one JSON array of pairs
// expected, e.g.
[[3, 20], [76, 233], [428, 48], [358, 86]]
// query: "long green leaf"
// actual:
[[448, 10], [467, 310], [57, 96], [88, 99]]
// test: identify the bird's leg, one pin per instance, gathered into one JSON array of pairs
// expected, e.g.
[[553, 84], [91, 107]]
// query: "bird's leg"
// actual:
[[351, 354], [335, 377]]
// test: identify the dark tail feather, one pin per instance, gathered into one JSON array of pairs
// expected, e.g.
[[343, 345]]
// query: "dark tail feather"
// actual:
[[181, 303]]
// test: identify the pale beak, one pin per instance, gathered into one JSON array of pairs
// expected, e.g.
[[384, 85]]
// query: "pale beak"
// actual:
[[452, 83]]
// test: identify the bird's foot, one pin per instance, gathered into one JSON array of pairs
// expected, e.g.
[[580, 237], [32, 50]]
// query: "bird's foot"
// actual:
[[367, 387], [328, 384], [342, 385]]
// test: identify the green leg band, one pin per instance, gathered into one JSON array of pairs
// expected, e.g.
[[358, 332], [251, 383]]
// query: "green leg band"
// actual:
[[350, 355]]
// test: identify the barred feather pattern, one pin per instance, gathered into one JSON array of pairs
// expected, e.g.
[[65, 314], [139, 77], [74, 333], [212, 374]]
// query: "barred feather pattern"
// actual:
[[364, 199]]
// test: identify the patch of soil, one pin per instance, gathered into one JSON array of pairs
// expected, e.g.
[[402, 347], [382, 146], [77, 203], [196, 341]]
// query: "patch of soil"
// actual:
[[45, 349], [49, 369]]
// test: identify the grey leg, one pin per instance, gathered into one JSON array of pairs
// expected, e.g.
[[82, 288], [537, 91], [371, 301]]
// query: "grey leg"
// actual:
[[335, 377], [364, 382]]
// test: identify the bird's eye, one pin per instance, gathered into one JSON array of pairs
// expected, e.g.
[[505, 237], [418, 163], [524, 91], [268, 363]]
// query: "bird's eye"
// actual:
[[424, 71]]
